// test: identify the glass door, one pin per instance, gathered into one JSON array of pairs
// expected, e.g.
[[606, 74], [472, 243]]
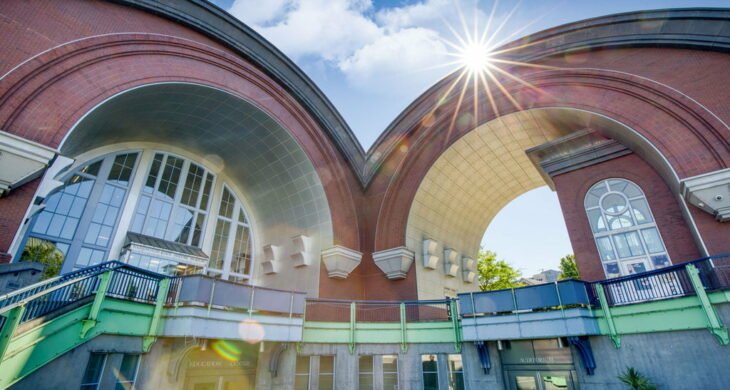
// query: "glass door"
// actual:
[[540, 380]]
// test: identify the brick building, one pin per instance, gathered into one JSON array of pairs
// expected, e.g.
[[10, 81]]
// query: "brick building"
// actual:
[[171, 137]]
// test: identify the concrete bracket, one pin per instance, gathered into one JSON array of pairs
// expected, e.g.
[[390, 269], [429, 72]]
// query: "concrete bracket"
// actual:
[[709, 192], [612, 331], [483, 352], [583, 345], [147, 342], [714, 323]]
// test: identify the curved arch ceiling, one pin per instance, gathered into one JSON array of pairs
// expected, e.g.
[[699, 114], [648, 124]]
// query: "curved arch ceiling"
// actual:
[[486, 169], [283, 191]]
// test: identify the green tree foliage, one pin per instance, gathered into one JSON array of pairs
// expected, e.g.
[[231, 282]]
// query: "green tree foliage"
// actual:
[[496, 274], [44, 252], [635, 380], [568, 268]]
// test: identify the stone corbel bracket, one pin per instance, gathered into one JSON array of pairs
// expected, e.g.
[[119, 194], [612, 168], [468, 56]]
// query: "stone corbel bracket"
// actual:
[[394, 262], [451, 262], [710, 192], [468, 269], [430, 254], [273, 255], [303, 254], [340, 261]]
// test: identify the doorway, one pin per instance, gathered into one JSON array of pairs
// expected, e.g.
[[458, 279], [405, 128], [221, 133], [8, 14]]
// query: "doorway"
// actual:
[[540, 380]]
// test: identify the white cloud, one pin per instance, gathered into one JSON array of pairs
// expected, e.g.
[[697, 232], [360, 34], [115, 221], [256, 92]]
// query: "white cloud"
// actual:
[[407, 57], [372, 49], [255, 12], [413, 15], [330, 29]]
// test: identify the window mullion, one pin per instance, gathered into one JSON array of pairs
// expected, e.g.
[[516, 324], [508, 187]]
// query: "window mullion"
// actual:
[[179, 188], [83, 226]]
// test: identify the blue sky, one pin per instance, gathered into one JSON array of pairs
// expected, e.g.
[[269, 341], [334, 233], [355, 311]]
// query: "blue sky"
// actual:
[[373, 57]]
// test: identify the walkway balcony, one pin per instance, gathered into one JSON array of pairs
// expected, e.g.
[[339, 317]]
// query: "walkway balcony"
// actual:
[[680, 297]]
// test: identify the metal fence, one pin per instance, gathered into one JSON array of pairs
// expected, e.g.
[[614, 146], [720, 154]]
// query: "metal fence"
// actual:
[[326, 310], [134, 285], [200, 290], [671, 282], [46, 285], [565, 293], [75, 288]]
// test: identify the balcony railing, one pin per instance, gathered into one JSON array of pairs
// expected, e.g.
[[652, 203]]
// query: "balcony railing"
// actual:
[[330, 310], [665, 283], [41, 299], [200, 290]]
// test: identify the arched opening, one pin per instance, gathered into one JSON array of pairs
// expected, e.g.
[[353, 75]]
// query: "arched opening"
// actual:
[[205, 173], [492, 165], [534, 216]]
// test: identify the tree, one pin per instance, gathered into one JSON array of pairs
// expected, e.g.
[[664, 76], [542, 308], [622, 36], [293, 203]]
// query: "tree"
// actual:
[[568, 268], [44, 252], [496, 274]]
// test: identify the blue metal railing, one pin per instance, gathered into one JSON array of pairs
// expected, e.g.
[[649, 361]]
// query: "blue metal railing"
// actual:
[[665, 283], [44, 298]]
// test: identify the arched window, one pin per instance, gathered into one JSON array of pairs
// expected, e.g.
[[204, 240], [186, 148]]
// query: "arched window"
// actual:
[[80, 218], [232, 239], [149, 208], [624, 228]]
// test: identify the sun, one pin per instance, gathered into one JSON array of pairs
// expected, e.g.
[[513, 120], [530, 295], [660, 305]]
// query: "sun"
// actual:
[[474, 57]]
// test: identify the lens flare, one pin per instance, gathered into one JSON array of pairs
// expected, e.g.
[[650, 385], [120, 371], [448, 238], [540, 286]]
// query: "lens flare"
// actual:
[[251, 331], [226, 350]]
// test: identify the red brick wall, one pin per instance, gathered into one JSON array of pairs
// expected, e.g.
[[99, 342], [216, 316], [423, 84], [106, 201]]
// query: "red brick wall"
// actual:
[[12, 210], [573, 186]]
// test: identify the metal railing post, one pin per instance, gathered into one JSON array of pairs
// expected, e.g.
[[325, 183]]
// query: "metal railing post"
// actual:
[[353, 311], [162, 288], [403, 341], [613, 333], [714, 323], [90, 322], [455, 324], [12, 320]]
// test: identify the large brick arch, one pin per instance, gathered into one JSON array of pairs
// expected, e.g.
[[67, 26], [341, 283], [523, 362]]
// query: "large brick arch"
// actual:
[[45, 96], [684, 133]]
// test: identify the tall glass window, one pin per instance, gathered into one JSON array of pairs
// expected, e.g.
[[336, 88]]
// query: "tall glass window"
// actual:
[[429, 367], [94, 369], [365, 372], [624, 229], [174, 202], [456, 372], [390, 372], [127, 373], [174, 197], [232, 238], [326, 372], [79, 220], [301, 377]]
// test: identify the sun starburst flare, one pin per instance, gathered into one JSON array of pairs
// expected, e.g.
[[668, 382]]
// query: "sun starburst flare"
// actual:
[[479, 65]]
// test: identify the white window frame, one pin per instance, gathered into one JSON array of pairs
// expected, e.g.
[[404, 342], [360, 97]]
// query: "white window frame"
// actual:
[[235, 224], [636, 228]]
